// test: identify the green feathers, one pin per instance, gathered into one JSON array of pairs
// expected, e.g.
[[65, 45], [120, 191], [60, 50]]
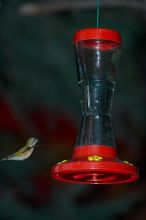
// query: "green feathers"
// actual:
[[24, 152]]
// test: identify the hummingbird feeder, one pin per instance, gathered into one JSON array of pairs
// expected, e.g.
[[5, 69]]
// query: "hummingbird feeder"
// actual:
[[95, 159]]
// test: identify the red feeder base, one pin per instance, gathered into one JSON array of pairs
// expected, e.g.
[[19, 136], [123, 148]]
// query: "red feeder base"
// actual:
[[95, 164]]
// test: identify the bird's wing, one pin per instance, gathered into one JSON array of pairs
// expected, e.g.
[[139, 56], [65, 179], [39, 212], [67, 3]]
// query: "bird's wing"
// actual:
[[19, 156], [19, 152], [23, 153], [22, 150]]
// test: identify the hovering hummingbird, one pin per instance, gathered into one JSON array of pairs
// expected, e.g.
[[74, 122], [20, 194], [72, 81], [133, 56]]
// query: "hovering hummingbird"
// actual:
[[24, 152]]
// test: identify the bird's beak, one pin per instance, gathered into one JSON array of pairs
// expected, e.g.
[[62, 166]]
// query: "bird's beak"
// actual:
[[37, 144]]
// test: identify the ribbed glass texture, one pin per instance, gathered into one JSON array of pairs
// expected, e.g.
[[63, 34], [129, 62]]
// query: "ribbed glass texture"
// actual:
[[97, 64]]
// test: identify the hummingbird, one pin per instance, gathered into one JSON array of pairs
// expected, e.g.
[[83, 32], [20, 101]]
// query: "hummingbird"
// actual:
[[24, 152]]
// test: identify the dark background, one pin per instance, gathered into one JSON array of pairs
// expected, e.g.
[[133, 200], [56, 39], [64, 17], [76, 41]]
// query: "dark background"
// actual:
[[39, 97]]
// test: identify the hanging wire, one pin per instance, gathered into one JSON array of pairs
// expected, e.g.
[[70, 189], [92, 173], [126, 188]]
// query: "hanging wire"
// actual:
[[98, 6]]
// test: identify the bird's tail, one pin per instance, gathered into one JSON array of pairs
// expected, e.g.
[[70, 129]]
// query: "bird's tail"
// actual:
[[5, 158]]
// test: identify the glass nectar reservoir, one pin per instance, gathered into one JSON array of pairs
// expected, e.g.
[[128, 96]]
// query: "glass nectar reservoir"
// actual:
[[95, 159]]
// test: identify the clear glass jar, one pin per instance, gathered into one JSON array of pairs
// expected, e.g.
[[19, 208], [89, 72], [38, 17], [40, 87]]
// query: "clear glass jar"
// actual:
[[97, 64], [95, 159]]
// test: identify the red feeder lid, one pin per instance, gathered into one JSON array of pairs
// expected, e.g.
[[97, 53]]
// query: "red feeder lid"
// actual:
[[87, 167], [97, 34]]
